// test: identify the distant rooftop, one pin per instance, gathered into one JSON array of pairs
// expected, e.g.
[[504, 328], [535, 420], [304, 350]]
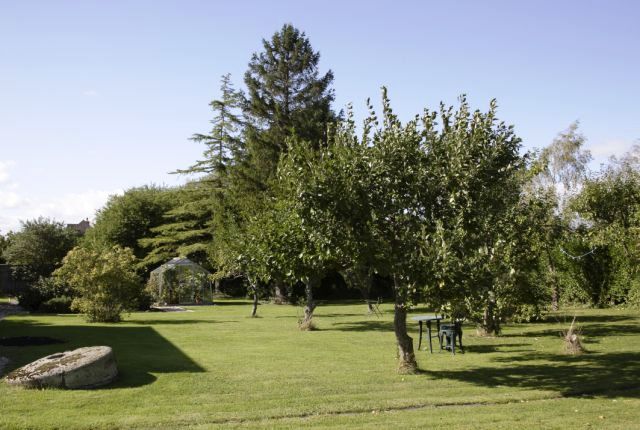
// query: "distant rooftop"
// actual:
[[81, 227]]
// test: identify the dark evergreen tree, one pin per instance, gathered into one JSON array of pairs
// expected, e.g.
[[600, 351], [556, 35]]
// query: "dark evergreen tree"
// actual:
[[286, 97], [186, 230], [223, 145]]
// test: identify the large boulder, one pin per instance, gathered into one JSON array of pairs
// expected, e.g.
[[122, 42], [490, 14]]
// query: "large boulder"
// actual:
[[81, 368]]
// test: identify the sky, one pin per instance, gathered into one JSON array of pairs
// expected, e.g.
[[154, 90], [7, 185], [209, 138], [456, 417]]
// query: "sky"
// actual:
[[100, 96]]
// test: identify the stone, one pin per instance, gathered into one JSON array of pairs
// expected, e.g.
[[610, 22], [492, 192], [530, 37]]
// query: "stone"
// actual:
[[3, 363], [87, 367]]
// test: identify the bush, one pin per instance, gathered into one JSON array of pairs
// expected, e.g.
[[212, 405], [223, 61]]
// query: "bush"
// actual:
[[104, 280], [57, 305], [34, 252], [143, 301], [32, 296]]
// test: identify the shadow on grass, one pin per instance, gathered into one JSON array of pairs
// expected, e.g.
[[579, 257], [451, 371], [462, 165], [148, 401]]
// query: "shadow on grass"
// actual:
[[566, 319], [499, 348], [594, 331], [614, 374], [172, 321], [229, 302], [139, 351], [371, 325], [340, 315]]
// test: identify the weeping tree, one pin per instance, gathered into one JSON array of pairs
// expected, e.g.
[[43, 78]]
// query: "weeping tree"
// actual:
[[562, 169]]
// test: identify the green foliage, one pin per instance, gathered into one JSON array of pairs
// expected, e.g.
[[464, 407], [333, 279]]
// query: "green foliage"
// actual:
[[126, 219], [285, 97], [57, 305], [104, 281], [4, 243], [186, 227], [557, 176], [609, 203], [39, 247], [255, 235], [437, 207], [223, 144], [34, 253]]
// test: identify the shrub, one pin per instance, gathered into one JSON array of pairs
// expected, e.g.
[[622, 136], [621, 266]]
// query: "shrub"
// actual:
[[104, 280], [34, 253], [29, 298], [57, 305], [33, 296]]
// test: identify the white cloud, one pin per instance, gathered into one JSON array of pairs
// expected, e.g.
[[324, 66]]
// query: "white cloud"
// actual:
[[68, 208], [602, 150], [90, 93], [9, 199], [4, 170]]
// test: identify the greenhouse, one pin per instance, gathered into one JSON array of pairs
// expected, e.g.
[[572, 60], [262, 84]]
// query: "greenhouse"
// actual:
[[180, 281]]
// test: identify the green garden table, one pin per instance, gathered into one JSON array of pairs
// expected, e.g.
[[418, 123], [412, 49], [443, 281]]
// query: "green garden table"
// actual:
[[427, 319]]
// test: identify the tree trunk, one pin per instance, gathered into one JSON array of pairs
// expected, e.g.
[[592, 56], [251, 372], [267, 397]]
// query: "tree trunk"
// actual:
[[555, 290], [554, 297], [280, 294], [311, 305], [254, 309], [365, 288], [490, 321], [406, 357]]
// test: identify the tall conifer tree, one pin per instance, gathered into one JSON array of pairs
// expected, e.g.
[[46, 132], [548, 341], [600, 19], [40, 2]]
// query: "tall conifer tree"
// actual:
[[286, 97], [188, 227]]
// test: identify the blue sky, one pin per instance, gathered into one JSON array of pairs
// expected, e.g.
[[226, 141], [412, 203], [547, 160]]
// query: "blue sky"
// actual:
[[100, 96]]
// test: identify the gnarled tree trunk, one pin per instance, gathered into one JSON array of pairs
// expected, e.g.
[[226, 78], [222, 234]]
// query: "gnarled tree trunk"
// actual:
[[490, 321], [254, 309], [406, 356], [310, 284]]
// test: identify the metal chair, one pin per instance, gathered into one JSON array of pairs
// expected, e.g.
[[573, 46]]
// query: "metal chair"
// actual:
[[448, 334]]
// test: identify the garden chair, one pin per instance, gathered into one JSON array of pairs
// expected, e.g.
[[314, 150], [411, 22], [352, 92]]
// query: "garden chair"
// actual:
[[374, 307], [449, 334]]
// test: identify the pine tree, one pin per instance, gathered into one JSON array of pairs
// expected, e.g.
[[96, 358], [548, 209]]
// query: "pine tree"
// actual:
[[223, 145], [188, 227], [287, 97]]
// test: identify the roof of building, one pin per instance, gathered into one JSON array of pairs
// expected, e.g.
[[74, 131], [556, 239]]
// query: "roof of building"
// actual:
[[179, 261]]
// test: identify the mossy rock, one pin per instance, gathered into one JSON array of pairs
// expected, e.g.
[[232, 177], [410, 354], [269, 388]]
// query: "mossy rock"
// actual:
[[87, 367]]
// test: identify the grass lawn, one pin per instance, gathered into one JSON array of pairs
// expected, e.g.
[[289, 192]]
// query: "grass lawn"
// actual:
[[217, 367]]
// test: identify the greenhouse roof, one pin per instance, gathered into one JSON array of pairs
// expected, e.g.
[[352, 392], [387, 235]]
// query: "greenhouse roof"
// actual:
[[179, 261]]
